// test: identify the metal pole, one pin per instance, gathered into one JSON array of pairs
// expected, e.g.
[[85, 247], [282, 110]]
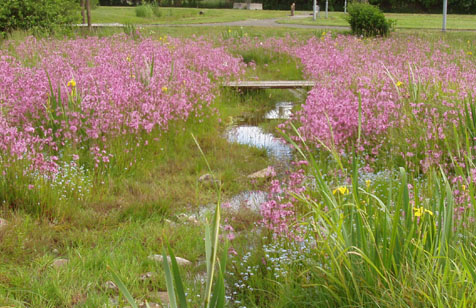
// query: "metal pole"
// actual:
[[314, 10], [445, 9], [345, 6], [327, 5]]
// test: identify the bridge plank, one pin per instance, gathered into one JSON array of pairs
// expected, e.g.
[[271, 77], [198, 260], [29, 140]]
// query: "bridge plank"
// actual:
[[274, 84]]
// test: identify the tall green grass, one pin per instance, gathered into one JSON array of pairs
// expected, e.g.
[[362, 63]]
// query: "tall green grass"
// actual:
[[399, 246], [148, 10]]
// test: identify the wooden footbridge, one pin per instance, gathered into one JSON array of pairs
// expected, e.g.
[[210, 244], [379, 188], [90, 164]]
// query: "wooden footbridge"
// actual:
[[274, 84]]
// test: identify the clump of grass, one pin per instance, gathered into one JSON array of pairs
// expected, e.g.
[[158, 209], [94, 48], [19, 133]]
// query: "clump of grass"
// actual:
[[144, 11], [147, 10]]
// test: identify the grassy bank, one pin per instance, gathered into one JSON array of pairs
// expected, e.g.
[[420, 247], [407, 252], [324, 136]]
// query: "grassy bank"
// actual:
[[357, 245], [129, 213]]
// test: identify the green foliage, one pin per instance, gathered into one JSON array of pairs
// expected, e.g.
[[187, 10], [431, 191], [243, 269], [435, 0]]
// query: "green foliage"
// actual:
[[37, 15], [144, 11], [148, 10], [368, 20], [94, 3]]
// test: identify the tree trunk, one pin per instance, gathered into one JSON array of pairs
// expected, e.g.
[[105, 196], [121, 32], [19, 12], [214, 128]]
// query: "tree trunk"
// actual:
[[88, 11], [82, 4]]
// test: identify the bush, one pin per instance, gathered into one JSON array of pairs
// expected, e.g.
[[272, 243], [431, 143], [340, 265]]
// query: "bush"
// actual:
[[38, 15], [144, 10], [156, 10], [368, 20]]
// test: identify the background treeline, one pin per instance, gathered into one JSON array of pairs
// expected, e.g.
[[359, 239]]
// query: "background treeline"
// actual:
[[402, 6], [174, 3]]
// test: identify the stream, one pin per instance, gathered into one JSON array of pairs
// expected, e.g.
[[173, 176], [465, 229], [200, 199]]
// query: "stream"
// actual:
[[246, 131]]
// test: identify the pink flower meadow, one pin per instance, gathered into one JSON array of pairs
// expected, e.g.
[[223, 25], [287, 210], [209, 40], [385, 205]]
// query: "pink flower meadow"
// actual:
[[56, 93]]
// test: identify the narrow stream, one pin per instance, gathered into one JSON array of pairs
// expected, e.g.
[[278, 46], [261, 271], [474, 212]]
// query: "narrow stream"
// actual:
[[246, 131]]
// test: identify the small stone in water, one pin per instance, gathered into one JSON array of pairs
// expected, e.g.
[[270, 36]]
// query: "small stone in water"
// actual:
[[264, 173]]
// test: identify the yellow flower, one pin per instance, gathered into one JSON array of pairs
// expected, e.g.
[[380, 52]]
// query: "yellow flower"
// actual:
[[341, 189], [367, 183], [128, 59], [399, 83], [469, 53], [72, 83], [463, 187], [418, 212], [229, 30], [164, 89]]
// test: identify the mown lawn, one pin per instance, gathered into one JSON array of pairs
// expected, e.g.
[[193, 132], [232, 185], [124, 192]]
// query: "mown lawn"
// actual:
[[126, 15], [403, 21]]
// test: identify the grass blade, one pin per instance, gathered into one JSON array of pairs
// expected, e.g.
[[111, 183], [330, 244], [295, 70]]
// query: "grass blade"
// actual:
[[169, 281], [178, 280], [123, 289]]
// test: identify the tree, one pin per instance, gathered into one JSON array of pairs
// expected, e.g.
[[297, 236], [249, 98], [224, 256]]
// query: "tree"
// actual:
[[83, 15], [88, 11]]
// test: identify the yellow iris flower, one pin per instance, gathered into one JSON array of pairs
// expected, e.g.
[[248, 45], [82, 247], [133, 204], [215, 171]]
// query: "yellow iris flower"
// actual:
[[418, 212], [341, 189], [72, 83]]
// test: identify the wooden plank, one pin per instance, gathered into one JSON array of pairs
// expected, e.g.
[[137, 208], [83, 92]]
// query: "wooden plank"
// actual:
[[271, 84]]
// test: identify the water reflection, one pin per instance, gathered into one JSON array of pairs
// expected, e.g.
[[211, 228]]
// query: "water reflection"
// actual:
[[254, 136], [249, 199], [282, 110]]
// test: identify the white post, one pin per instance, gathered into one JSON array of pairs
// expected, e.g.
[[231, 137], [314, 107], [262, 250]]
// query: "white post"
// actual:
[[327, 5], [445, 9], [345, 6], [314, 10]]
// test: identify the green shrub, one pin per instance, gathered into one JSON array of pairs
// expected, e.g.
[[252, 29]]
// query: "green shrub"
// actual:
[[368, 20], [156, 10], [37, 15], [144, 10]]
